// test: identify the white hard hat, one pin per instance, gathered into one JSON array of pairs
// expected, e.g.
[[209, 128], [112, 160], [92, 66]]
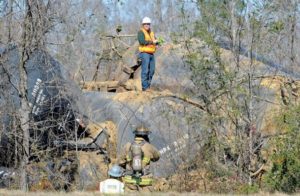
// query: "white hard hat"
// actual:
[[146, 20], [115, 171]]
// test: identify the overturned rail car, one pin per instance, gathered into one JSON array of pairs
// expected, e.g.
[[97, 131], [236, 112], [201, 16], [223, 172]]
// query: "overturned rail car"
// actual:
[[56, 104], [177, 139], [53, 99]]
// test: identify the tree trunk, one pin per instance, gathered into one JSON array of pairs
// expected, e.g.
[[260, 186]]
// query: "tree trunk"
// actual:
[[250, 35], [10, 14], [24, 120], [235, 33], [171, 16], [158, 13], [24, 108], [292, 36]]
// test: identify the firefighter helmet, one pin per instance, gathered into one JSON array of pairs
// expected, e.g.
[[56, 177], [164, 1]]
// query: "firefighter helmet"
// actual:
[[141, 131]]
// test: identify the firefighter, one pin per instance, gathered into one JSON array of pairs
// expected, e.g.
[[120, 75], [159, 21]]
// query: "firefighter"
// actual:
[[136, 158], [113, 185]]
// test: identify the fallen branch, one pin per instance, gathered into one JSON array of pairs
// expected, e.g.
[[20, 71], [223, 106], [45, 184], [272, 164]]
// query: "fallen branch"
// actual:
[[184, 99], [266, 100], [261, 169], [115, 36]]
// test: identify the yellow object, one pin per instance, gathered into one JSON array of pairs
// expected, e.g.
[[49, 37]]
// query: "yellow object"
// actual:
[[128, 158], [146, 160], [151, 48], [143, 181]]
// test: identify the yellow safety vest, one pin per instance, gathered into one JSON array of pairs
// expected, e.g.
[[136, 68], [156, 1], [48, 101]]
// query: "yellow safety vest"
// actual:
[[146, 181], [148, 48]]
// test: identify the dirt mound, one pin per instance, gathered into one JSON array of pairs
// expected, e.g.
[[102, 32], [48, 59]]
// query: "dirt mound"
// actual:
[[140, 96]]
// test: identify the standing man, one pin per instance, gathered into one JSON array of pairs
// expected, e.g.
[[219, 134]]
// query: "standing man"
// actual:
[[147, 49], [136, 158]]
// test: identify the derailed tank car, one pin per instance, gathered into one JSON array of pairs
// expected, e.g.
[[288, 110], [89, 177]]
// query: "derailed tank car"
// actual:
[[53, 100], [56, 107], [177, 139]]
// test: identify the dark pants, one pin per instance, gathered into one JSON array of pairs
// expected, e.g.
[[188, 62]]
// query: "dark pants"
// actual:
[[148, 69]]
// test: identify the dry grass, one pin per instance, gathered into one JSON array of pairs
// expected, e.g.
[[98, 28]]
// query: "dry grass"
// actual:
[[4, 192]]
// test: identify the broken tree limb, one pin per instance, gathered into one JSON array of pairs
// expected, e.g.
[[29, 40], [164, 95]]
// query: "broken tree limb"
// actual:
[[113, 48], [122, 42], [127, 69], [100, 86], [266, 100], [261, 169], [117, 36], [107, 86], [184, 99]]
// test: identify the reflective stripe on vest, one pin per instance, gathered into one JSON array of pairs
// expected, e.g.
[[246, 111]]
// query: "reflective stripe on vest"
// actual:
[[128, 158], [148, 37], [137, 181], [146, 160]]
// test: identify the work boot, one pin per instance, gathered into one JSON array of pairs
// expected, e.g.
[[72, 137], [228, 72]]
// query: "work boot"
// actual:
[[149, 90]]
